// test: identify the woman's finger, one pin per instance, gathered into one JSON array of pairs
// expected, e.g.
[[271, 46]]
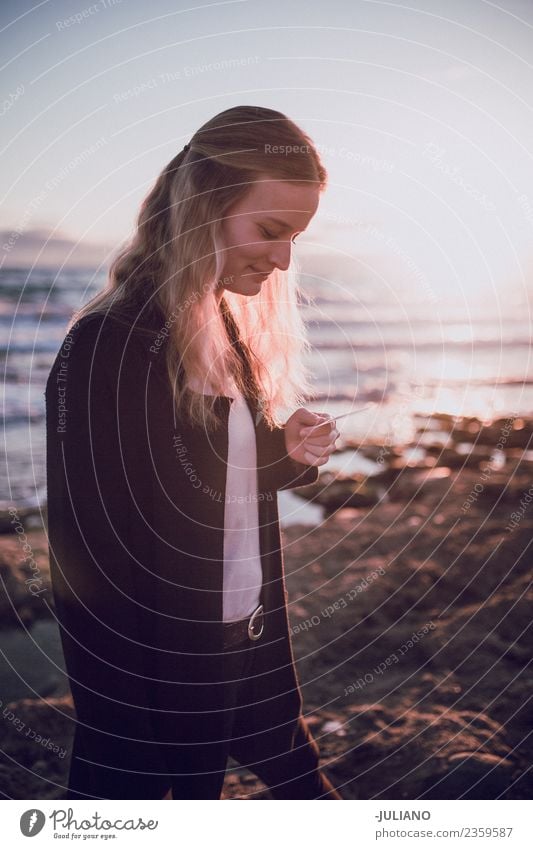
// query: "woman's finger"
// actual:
[[315, 461], [311, 449], [320, 440], [320, 428], [314, 439], [319, 451]]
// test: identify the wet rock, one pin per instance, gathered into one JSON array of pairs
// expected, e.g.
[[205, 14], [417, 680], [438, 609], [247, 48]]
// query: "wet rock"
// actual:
[[31, 517], [31, 662], [35, 748], [334, 493], [420, 484], [25, 579], [455, 459]]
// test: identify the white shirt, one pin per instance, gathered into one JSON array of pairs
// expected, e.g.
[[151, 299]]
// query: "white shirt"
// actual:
[[243, 574]]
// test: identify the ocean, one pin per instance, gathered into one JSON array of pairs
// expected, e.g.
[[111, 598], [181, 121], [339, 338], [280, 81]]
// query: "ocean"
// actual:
[[411, 362]]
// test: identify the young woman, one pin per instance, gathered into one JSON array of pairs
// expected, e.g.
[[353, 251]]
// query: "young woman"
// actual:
[[165, 452]]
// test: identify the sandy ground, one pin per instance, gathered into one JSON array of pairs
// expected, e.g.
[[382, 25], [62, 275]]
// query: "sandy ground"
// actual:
[[412, 633]]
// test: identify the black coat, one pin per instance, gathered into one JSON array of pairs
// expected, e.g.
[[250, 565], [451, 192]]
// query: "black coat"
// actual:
[[135, 527]]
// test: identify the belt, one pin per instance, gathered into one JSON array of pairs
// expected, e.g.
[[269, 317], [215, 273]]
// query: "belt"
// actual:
[[243, 630]]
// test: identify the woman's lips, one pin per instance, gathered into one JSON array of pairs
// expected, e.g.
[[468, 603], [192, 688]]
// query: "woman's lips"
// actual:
[[265, 274]]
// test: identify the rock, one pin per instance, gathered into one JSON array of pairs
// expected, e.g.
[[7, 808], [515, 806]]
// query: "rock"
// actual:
[[31, 662], [509, 432], [455, 459], [26, 591], [503, 488], [337, 492], [357, 491], [420, 484], [30, 517], [35, 748], [470, 775]]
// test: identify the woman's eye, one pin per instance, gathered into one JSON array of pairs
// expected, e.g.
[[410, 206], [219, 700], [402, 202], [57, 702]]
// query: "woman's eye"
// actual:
[[268, 235]]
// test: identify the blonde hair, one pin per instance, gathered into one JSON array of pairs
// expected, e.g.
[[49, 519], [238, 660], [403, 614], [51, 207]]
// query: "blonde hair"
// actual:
[[171, 266]]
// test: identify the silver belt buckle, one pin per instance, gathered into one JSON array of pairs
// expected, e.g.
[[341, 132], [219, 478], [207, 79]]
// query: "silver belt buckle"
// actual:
[[251, 634]]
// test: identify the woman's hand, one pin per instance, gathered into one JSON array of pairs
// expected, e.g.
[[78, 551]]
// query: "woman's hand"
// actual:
[[312, 448]]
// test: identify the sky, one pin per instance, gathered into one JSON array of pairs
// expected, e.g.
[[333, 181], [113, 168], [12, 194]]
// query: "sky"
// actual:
[[422, 113]]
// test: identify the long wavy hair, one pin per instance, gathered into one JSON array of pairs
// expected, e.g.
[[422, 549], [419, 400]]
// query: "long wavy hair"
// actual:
[[171, 266]]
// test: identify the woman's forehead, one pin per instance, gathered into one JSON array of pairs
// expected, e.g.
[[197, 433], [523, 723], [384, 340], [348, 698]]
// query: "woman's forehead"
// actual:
[[274, 196]]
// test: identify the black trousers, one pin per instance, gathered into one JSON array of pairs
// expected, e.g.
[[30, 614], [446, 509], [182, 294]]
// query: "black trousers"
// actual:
[[293, 774]]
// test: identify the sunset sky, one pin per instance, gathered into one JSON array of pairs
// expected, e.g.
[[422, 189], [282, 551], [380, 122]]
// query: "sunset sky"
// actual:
[[422, 113]]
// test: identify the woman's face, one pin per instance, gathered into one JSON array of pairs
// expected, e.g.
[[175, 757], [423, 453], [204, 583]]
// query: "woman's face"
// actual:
[[258, 232]]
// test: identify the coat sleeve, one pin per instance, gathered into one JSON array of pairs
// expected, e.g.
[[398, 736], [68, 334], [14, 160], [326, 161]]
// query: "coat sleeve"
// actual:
[[96, 578], [282, 472]]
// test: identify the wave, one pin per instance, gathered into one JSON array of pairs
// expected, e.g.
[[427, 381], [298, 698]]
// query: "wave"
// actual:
[[443, 344]]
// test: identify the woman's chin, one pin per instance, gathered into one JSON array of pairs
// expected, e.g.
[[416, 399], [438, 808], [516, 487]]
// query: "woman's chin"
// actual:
[[249, 290], [250, 287]]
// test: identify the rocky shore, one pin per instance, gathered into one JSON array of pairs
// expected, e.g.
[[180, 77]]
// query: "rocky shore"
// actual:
[[410, 612]]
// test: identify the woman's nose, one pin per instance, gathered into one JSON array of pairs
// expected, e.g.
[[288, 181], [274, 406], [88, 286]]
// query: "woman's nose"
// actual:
[[279, 255]]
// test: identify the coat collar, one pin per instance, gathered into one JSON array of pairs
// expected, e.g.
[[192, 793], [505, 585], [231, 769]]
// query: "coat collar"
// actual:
[[150, 326]]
